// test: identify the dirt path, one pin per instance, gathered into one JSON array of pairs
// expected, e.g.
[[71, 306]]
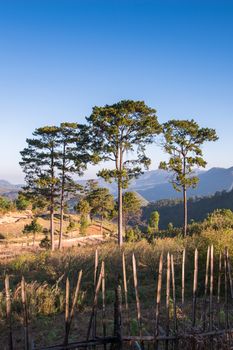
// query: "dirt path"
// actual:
[[8, 251]]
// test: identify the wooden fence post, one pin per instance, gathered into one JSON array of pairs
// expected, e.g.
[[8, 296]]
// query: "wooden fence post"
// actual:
[[158, 300], [168, 297], [206, 285], [126, 292], [118, 316], [71, 314], [219, 287], [183, 275], [25, 313], [195, 275], [211, 285], [174, 293], [135, 278], [8, 311]]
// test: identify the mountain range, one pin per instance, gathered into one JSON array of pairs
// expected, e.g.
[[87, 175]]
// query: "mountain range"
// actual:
[[154, 185]]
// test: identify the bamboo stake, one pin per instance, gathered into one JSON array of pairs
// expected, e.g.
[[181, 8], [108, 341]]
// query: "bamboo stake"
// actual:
[[195, 287], [229, 273], [95, 280], [211, 285], [168, 296], [174, 292], [103, 303], [125, 292], [158, 299], [96, 268], [25, 313], [219, 287], [137, 294], [98, 285], [118, 316], [206, 285], [8, 311], [71, 315], [67, 307], [183, 275], [226, 290]]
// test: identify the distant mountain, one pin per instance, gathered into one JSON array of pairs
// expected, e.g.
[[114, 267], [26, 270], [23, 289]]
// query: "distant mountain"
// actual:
[[211, 181], [9, 190], [154, 185]]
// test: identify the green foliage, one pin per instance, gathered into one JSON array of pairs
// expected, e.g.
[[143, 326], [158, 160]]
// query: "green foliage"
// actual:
[[45, 243], [170, 226], [133, 234], [182, 141], [121, 128], [72, 225], [154, 220], [22, 202], [5, 205], [33, 227], [124, 127], [220, 219], [101, 201], [131, 207]]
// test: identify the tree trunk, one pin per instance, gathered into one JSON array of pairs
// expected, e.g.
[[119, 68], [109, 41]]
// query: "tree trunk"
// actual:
[[101, 225], [185, 211], [62, 196], [120, 236], [61, 226], [52, 227]]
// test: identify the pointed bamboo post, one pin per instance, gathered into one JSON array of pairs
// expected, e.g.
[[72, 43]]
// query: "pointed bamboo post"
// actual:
[[219, 287], [211, 285], [8, 312], [183, 275], [174, 292], [96, 264], [158, 299], [118, 316], [25, 313], [135, 278], [125, 292], [195, 275], [206, 285], [168, 297], [98, 285], [67, 307], [75, 299], [226, 290], [229, 273], [103, 302]]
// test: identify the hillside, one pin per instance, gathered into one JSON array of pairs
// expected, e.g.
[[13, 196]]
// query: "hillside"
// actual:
[[198, 209], [154, 185]]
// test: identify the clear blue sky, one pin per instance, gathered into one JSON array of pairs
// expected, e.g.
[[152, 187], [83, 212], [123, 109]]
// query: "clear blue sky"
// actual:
[[58, 58]]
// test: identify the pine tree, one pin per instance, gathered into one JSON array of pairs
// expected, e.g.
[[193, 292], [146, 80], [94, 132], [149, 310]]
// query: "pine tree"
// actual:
[[182, 141], [118, 130]]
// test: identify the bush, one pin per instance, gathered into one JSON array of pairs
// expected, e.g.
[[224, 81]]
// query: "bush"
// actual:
[[133, 234]]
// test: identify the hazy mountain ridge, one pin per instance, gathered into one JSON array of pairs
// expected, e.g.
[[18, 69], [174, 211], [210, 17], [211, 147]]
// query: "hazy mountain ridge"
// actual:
[[154, 185]]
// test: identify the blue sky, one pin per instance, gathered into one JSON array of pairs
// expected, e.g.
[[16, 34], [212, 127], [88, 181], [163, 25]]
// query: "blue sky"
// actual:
[[58, 58]]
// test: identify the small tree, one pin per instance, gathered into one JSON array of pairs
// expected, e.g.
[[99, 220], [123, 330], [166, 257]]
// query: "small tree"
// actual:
[[119, 129], [72, 159], [101, 203], [34, 227], [39, 163], [83, 208], [22, 202], [154, 220], [182, 141], [131, 207]]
